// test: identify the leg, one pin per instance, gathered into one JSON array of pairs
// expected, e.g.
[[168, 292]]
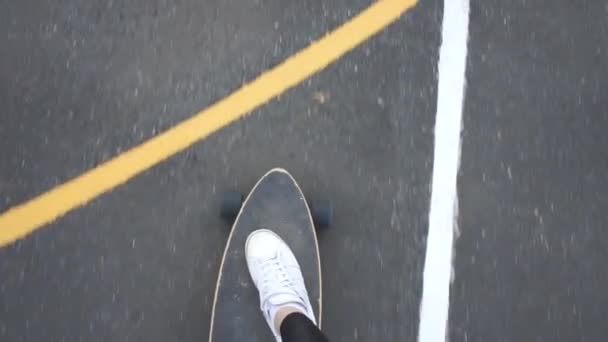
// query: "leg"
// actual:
[[296, 327], [283, 296]]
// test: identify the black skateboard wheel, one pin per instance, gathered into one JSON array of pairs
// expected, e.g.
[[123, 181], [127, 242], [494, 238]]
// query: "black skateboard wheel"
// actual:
[[322, 212], [231, 205]]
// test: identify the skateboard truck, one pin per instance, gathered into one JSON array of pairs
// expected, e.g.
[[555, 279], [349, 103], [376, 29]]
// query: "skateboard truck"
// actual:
[[320, 210]]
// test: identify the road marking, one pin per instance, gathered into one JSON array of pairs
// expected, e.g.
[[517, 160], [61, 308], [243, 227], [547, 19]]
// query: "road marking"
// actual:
[[434, 306], [21, 220]]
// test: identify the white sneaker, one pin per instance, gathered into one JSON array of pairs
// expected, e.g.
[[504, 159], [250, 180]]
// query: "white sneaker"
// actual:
[[276, 273]]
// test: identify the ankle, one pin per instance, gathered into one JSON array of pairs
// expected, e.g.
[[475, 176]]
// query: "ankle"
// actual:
[[282, 313]]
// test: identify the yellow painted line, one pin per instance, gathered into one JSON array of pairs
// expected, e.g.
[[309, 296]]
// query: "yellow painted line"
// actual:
[[21, 220]]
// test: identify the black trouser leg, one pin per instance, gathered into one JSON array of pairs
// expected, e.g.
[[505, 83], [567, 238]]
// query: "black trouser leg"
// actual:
[[296, 327]]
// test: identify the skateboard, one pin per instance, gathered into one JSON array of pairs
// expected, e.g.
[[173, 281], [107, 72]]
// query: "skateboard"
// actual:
[[277, 203]]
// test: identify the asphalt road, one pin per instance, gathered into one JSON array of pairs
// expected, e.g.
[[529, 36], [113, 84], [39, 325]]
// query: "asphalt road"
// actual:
[[533, 185], [81, 82]]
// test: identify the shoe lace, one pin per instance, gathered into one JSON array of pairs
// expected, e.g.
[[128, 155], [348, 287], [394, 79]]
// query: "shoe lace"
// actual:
[[275, 279]]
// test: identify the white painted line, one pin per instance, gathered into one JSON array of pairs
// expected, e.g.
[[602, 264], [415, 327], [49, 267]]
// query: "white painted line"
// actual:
[[434, 306]]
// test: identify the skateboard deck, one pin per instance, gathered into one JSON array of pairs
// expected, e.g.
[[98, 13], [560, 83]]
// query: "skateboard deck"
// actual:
[[275, 203]]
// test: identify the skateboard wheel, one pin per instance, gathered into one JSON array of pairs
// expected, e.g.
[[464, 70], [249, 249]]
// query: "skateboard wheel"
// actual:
[[231, 205], [322, 212]]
